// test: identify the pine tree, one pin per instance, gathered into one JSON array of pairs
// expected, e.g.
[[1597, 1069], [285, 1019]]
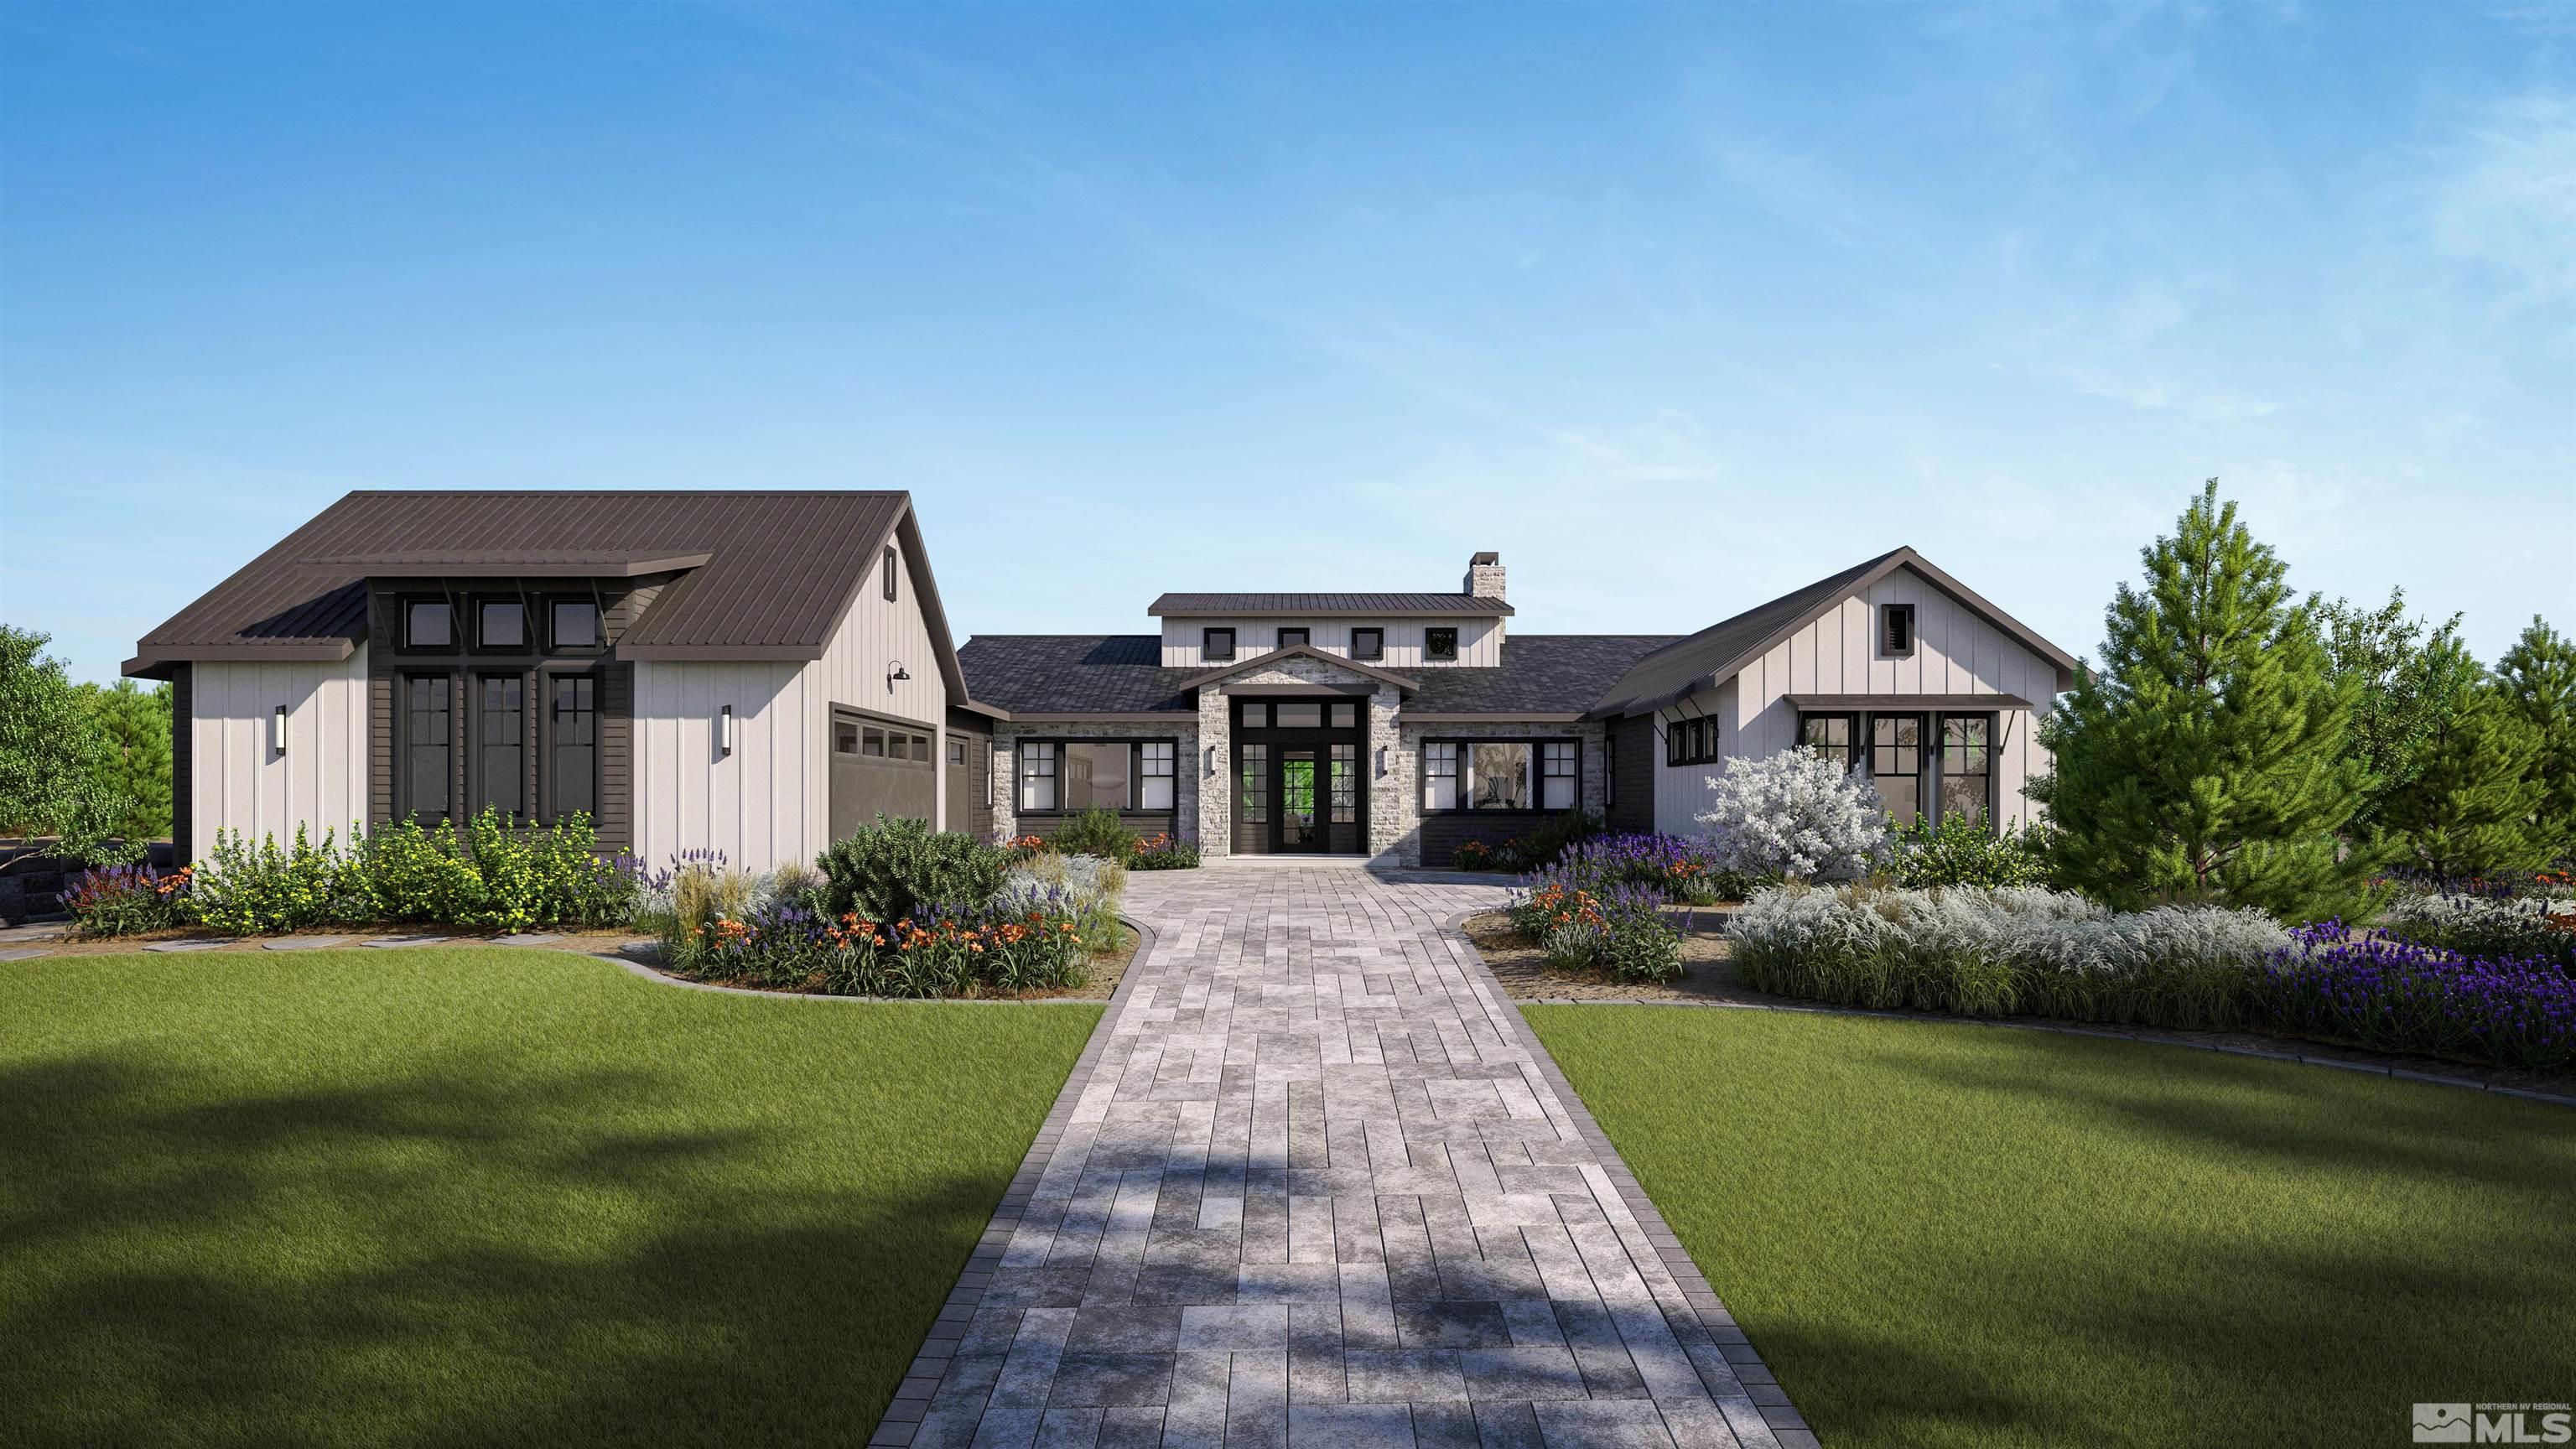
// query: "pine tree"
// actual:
[[134, 763], [2466, 805], [2538, 676], [2205, 758]]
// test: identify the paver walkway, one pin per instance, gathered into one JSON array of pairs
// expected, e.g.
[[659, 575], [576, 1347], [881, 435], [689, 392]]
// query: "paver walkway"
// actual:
[[1315, 1183]]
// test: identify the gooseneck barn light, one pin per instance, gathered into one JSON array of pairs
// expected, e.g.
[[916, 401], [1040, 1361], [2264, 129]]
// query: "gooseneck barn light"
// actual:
[[895, 672]]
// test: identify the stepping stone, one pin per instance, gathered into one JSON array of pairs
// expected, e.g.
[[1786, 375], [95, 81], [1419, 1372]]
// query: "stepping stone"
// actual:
[[528, 938], [396, 943], [24, 953], [190, 945], [302, 943]]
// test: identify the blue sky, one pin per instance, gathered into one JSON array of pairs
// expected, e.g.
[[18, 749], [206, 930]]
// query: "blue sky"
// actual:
[[1676, 307]]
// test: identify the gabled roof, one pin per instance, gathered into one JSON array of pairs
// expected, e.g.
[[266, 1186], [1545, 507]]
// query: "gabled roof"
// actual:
[[1297, 606], [767, 575], [1727, 646], [1205, 677], [1074, 674]]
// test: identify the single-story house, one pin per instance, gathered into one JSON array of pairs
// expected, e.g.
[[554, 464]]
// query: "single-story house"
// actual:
[[759, 672]]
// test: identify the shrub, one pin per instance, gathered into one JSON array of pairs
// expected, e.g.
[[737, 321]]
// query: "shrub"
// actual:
[[1549, 842], [1473, 855], [946, 952], [2494, 927], [2004, 952], [1081, 888], [1095, 832], [895, 868], [1960, 852], [1795, 815], [1162, 852], [2402, 996], [406, 873], [1614, 928], [121, 900], [247, 890]]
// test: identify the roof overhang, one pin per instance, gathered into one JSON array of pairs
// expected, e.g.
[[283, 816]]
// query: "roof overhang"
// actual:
[[624, 564], [157, 663], [721, 653], [1413, 717], [1815, 702], [1132, 716], [1466, 607], [1297, 651]]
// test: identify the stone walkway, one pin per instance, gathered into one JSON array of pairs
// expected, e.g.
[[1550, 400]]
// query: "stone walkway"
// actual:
[[1314, 1183]]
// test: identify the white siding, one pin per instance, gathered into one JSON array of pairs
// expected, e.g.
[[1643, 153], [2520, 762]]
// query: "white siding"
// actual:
[[769, 803], [1480, 640], [237, 782], [1956, 651]]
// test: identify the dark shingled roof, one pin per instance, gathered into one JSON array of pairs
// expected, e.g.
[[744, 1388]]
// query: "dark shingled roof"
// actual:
[[1295, 605], [1073, 674], [779, 567], [1123, 674], [1540, 674]]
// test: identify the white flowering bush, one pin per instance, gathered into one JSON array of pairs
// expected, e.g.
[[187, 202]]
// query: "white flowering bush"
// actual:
[[2004, 952], [1795, 816]]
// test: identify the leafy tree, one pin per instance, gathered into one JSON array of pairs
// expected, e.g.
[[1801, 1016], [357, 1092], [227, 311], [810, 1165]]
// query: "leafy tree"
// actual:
[[134, 724], [2466, 806], [2538, 677], [2407, 678], [47, 742], [2205, 758]]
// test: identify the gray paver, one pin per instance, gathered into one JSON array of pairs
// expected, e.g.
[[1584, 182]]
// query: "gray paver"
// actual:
[[303, 943], [1315, 1183]]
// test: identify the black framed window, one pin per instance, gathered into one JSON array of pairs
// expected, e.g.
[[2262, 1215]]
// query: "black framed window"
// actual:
[[1343, 792], [1037, 776], [1216, 644], [1560, 763], [572, 624], [1691, 741], [1158, 774], [1253, 775], [1097, 776], [427, 745], [572, 745], [1298, 714], [1294, 638], [1368, 643], [1674, 738], [1829, 735], [1256, 715], [890, 560], [1345, 716], [1967, 767], [1896, 763], [429, 624], [1440, 775], [1498, 775], [1896, 630], [500, 624], [500, 743], [1440, 643]]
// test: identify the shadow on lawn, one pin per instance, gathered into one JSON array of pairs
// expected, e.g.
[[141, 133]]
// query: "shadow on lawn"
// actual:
[[465, 1256]]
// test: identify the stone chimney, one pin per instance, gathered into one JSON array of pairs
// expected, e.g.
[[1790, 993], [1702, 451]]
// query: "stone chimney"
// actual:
[[1485, 575]]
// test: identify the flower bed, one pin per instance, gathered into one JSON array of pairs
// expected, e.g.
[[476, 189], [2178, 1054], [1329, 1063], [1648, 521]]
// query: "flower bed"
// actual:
[[2401, 996]]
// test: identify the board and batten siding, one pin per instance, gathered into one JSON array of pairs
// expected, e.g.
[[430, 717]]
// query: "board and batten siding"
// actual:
[[1480, 640], [1956, 651], [235, 781], [768, 804]]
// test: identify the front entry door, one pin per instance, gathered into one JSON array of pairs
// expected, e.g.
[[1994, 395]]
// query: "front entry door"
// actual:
[[1297, 789]]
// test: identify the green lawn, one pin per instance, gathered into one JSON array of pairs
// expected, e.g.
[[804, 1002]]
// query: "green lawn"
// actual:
[[1957, 1235], [483, 1197]]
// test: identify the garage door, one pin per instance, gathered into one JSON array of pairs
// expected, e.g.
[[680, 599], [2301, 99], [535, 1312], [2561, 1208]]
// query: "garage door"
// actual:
[[880, 766]]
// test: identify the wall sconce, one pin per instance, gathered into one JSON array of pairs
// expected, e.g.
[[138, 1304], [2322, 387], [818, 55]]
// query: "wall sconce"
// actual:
[[277, 732], [895, 672], [1214, 756], [1381, 762], [724, 731]]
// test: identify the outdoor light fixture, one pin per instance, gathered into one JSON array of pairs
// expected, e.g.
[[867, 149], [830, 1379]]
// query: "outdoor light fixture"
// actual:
[[895, 671], [277, 732], [724, 731], [1381, 762]]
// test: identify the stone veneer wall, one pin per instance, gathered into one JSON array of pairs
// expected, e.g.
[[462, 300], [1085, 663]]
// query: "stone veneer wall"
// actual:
[[1404, 820], [1188, 766]]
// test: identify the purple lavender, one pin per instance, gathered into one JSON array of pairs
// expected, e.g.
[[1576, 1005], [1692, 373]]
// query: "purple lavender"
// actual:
[[2404, 997]]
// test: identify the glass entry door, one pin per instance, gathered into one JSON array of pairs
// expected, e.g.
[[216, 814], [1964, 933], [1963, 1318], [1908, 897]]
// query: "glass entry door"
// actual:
[[1296, 793]]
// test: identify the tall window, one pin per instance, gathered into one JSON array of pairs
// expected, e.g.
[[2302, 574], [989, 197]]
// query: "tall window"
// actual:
[[426, 761], [574, 624], [1254, 763], [1440, 643], [889, 573], [1896, 630], [1216, 644], [501, 624], [1499, 775], [1037, 776], [1829, 735], [1896, 761], [1967, 767], [1439, 776], [1368, 643], [500, 733], [1292, 638], [1559, 761], [1161, 775], [429, 624], [572, 738], [1345, 788]]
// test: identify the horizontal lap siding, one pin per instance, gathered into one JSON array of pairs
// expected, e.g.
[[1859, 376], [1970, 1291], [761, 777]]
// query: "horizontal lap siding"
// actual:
[[1634, 760]]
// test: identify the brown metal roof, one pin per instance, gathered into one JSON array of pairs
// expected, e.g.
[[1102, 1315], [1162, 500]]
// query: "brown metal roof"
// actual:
[[779, 568], [1906, 701], [1287, 606]]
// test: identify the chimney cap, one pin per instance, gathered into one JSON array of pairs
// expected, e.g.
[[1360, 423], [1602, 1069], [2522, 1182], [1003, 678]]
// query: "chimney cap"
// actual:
[[1485, 556]]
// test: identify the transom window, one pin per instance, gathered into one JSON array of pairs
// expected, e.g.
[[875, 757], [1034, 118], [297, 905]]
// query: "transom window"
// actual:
[[1298, 714], [501, 624], [1216, 643], [1292, 638], [573, 624], [429, 624], [1440, 643], [1368, 643]]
